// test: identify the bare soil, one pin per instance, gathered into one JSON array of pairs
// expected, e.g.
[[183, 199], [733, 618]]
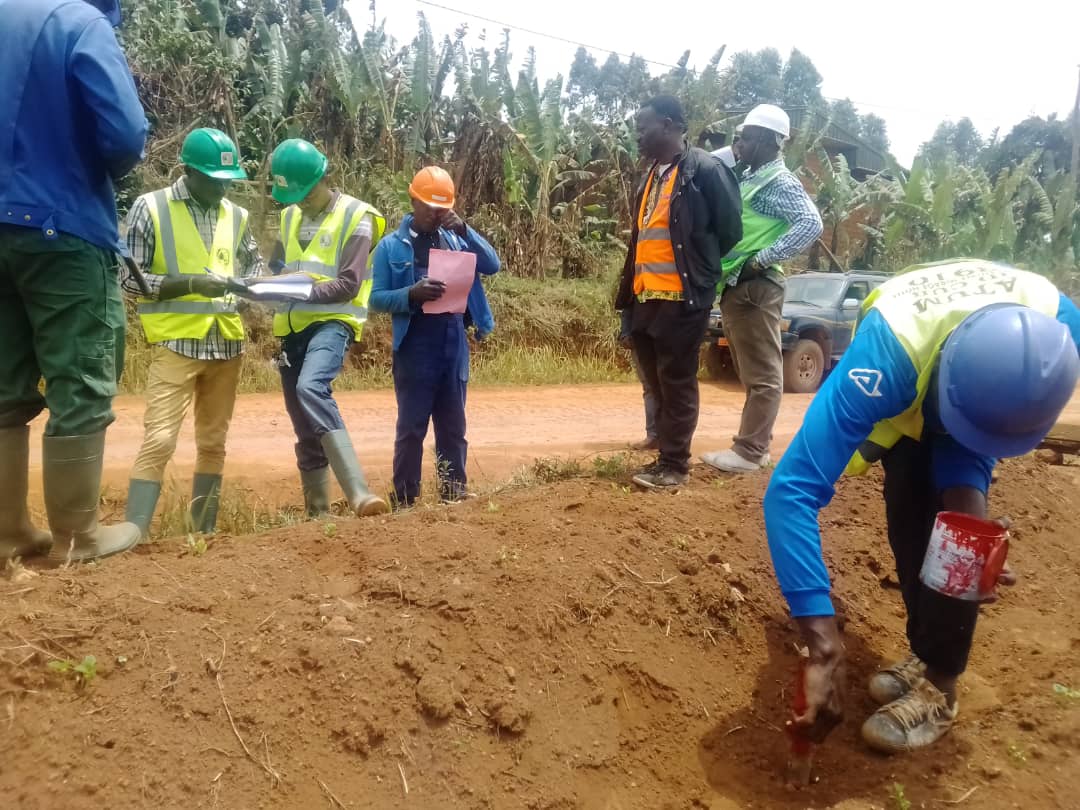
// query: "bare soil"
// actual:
[[575, 645]]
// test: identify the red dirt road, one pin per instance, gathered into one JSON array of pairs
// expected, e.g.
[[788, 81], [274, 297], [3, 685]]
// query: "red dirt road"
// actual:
[[508, 427]]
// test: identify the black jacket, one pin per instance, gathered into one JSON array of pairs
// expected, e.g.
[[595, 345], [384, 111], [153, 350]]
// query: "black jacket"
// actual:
[[706, 223]]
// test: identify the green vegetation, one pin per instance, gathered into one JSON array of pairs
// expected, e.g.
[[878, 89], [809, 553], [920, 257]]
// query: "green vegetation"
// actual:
[[83, 672], [547, 167], [898, 798]]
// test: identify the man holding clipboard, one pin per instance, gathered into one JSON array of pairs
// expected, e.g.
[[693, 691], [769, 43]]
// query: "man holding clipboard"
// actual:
[[427, 275]]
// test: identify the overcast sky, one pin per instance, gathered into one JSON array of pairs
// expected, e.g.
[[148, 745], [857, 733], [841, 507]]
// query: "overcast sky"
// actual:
[[914, 63]]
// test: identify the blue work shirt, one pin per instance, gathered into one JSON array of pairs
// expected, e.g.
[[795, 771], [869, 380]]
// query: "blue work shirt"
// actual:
[[72, 120], [837, 422], [394, 272]]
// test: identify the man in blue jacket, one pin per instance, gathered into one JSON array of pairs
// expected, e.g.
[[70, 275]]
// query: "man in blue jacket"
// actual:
[[431, 352], [72, 124], [954, 365]]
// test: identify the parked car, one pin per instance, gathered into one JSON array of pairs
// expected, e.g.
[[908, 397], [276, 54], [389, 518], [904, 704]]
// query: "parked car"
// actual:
[[819, 314]]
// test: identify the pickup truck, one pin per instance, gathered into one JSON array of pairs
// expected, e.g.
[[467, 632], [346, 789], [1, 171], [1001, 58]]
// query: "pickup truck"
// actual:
[[819, 313]]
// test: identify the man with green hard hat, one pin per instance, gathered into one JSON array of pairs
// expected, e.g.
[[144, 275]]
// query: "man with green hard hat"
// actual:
[[328, 236], [190, 242]]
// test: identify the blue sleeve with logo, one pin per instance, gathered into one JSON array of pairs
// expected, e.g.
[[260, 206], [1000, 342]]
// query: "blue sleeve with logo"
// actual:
[[875, 380]]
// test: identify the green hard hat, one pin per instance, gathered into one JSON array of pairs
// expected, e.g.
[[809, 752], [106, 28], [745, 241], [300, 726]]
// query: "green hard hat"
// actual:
[[213, 153], [296, 166]]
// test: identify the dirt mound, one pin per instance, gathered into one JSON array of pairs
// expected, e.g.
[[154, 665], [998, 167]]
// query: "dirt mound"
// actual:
[[570, 646]]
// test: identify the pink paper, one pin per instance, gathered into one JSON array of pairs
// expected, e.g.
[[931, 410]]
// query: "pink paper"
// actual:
[[456, 269]]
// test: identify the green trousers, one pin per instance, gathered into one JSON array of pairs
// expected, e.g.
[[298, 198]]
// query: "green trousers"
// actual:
[[61, 319]]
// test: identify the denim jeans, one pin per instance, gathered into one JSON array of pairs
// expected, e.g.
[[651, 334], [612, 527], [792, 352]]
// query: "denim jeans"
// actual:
[[314, 359]]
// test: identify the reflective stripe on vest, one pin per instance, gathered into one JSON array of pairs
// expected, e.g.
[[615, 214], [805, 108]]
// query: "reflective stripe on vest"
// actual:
[[922, 308], [759, 232], [654, 255], [321, 259], [179, 250]]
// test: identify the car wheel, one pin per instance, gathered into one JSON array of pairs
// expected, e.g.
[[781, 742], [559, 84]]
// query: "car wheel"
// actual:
[[804, 366], [719, 365]]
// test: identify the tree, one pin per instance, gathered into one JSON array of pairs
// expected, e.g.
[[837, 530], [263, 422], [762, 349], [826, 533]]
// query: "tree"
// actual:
[[875, 132], [801, 82], [960, 141], [844, 114], [1049, 136], [753, 78]]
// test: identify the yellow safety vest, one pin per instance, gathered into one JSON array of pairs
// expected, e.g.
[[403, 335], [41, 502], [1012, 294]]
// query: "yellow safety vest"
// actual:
[[320, 259], [922, 308], [180, 250]]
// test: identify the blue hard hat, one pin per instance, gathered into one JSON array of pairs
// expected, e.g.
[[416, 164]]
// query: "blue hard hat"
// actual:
[[1006, 374]]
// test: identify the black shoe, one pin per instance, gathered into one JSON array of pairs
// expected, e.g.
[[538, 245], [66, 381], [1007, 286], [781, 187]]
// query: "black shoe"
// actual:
[[661, 477]]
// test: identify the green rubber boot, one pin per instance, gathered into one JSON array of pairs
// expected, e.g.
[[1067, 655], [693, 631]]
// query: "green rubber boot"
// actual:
[[141, 502], [72, 472], [205, 500], [316, 486], [346, 466], [18, 537]]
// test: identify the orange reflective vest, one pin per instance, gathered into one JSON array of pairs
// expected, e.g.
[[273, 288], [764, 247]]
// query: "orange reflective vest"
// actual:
[[654, 255]]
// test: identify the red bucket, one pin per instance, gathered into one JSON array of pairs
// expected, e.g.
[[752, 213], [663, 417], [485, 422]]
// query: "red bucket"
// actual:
[[965, 556]]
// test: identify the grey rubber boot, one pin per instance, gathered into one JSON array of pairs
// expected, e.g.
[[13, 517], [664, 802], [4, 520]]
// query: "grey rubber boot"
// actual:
[[141, 502], [316, 486], [72, 473], [18, 537], [346, 466], [205, 500]]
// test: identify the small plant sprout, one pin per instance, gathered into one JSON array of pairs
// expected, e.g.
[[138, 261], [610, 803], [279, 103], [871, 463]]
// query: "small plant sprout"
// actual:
[[197, 545], [1017, 754], [493, 507], [1065, 692], [899, 799], [83, 672], [329, 529]]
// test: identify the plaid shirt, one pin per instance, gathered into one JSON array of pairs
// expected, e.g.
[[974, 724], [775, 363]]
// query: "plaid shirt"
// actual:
[[141, 243], [784, 198]]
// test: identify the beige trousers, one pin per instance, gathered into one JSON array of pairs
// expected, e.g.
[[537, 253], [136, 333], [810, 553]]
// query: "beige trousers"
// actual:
[[174, 381]]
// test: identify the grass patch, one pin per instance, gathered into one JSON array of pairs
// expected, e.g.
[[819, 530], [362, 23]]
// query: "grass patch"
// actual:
[[617, 467]]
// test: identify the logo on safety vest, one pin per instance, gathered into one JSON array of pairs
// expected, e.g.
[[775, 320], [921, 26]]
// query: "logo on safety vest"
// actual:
[[868, 380], [325, 240], [223, 257]]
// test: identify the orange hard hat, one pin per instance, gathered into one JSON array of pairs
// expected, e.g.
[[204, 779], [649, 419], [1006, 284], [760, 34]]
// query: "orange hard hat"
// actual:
[[433, 186]]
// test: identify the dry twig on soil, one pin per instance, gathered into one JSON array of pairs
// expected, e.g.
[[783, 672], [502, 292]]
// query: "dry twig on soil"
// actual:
[[334, 800], [275, 777], [651, 583], [961, 800], [404, 782]]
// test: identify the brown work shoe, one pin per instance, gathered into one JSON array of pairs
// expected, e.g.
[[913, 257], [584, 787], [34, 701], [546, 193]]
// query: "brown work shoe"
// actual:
[[896, 681], [646, 444], [918, 719]]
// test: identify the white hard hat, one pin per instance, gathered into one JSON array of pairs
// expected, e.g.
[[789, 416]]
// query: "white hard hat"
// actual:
[[725, 156], [771, 117]]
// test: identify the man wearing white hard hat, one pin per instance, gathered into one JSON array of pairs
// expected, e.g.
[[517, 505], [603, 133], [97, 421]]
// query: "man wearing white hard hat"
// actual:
[[779, 222]]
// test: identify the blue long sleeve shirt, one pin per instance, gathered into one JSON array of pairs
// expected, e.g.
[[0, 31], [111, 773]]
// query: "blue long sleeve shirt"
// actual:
[[72, 120], [394, 272], [874, 380]]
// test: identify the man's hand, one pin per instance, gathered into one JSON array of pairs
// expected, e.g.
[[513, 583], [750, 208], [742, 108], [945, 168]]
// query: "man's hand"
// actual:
[[426, 289], [452, 222], [210, 285], [825, 679]]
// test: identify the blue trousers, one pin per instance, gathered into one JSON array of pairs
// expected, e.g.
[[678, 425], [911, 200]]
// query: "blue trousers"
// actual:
[[431, 371], [315, 357]]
